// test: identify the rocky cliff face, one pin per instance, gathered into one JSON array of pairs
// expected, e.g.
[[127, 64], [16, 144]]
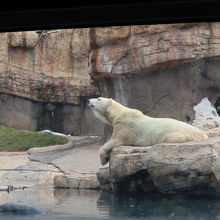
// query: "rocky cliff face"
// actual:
[[157, 68], [189, 168], [162, 70], [44, 80], [49, 66]]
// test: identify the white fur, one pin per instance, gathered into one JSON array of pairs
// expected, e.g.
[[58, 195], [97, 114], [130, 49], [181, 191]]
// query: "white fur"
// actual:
[[132, 127]]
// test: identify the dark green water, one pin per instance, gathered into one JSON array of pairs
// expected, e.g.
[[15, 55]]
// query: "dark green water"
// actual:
[[89, 204]]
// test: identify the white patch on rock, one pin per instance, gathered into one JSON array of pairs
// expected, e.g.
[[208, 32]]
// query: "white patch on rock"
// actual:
[[206, 116], [54, 133]]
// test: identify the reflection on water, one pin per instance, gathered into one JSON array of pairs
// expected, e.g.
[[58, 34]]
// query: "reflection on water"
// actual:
[[158, 207], [91, 204]]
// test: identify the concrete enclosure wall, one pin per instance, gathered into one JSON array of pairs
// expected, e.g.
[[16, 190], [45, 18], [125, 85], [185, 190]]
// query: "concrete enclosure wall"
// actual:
[[21, 113]]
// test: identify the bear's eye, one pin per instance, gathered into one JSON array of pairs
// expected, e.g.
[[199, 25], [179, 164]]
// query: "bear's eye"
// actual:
[[99, 99]]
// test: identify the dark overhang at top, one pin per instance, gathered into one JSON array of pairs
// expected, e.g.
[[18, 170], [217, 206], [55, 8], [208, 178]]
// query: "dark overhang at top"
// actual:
[[71, 14]]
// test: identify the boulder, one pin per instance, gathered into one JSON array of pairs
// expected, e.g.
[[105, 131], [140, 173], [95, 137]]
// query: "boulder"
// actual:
[[157, 68], [76, 181], [44, 65], [44, 81], [192, 167], [103, 178], [145, 48], [206, 116]]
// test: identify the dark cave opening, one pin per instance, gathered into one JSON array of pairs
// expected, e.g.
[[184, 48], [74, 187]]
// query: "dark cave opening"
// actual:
[[217, 105]]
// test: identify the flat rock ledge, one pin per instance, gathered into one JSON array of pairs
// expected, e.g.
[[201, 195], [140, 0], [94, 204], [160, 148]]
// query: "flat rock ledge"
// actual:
[[77, 160], [74, 141], [189, 168], [77, 181], [72, 165], [57, 147]]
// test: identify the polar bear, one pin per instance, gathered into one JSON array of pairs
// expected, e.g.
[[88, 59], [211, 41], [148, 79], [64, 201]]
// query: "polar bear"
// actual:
[[132, 127]]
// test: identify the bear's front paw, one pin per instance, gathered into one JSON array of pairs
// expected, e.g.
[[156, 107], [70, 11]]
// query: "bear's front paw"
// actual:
[[104, 158]]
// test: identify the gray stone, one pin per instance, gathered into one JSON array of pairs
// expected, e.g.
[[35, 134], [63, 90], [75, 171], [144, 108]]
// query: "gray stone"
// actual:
[[158, 69], [83, 159], [123, 165], [128, 169], [77, 181], [90, 183], [22, 113], [60, 181], [79, 141], [70, 168], [82, 148], [206, 116], [60, 147], [157, 94], [103, 177], [192, 167]]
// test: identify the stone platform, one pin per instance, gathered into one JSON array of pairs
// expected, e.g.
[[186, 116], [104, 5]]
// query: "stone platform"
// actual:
[[71, 166]]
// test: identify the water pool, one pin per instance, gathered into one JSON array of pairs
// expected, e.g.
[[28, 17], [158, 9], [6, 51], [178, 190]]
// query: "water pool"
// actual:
[[91, 204]]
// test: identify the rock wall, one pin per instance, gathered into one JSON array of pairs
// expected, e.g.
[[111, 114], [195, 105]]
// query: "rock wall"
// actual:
[[49, 66], [172, 168], [44, 81], [22, 113], [163, 70]]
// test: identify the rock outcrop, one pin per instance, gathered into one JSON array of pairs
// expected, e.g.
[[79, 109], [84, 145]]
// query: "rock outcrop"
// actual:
[[153, 68], [72, 165], [17, 171], [49, 66], [157, 68], [192, 168], [147, 48], [206, 116], [76, 181], [44, 81]]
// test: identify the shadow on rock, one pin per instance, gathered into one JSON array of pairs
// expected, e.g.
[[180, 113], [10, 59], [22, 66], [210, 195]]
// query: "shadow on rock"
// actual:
[[20, 209]]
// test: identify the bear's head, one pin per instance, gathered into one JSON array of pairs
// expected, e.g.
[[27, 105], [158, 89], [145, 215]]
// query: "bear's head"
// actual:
[[99, 107], [99, 104]]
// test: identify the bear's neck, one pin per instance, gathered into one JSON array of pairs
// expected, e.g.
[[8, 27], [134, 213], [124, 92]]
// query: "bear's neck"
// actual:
[[101, 117], [120, 111]]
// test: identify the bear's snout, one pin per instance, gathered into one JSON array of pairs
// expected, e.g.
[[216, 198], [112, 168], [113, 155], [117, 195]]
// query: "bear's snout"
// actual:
[[89, 103]]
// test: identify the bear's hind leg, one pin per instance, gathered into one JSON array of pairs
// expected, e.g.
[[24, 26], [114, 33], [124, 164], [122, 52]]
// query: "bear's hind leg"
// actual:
[[176, 137]]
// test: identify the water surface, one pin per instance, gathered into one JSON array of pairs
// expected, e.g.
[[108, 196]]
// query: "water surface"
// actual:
[[92, 204]]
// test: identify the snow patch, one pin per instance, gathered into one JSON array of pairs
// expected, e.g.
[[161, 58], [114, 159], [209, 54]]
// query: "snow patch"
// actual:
[[206, 116], [54, 133]]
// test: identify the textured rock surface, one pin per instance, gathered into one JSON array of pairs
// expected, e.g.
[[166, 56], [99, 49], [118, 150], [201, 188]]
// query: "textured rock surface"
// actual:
[[17, 171], [77, 181], [44, 81], [49, 66], [171, 66], [192, 167], [103, 177], [62, 168], [83, 158], [206, 116], [146, 48], [79, 165], [21, 113]]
